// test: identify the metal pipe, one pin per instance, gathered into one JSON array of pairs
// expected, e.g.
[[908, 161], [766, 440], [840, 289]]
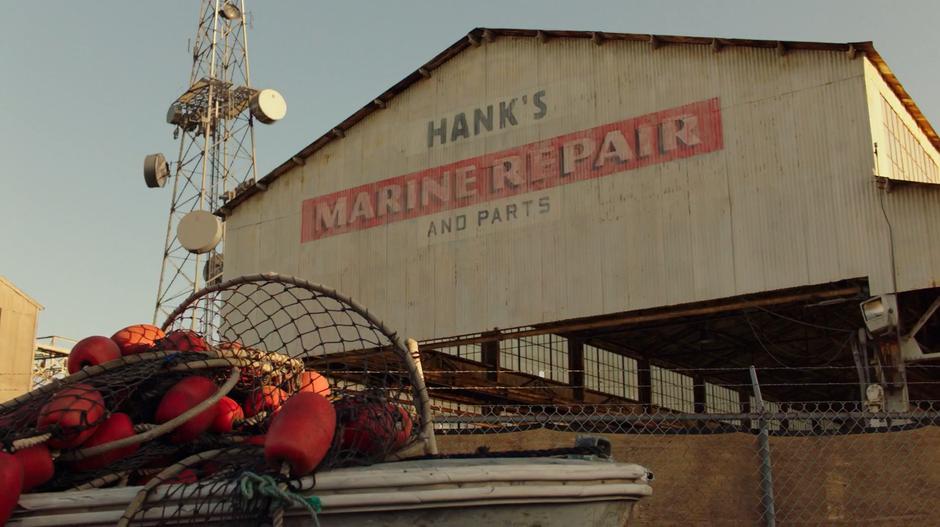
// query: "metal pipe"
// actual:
[[763, 449]]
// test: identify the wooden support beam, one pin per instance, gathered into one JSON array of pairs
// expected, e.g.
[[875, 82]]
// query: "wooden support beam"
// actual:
[[699, 396], [576, 367], [490, 355], [645, 380]]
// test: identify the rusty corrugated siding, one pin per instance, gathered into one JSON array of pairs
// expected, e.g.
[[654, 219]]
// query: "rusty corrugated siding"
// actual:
[[787, 200]]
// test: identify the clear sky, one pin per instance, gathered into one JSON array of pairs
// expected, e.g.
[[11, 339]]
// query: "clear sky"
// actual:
[[84, 88]]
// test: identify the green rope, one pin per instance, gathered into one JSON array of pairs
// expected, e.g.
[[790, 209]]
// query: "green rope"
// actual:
[[251, 484]]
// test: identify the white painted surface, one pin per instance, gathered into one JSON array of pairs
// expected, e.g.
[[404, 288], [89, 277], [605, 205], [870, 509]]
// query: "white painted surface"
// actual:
[[788, 201]]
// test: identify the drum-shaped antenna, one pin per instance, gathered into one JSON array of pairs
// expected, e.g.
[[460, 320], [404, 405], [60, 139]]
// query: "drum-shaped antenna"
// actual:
[[268, 106], [156, 170]]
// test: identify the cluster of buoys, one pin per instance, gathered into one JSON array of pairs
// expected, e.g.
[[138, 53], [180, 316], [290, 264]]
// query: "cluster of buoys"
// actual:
[[301, 421]]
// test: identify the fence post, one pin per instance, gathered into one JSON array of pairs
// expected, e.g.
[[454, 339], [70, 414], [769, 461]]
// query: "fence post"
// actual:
[[489, 353], [763, 447], [576, 368]]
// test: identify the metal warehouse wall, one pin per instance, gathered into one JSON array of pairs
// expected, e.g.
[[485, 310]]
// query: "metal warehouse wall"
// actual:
[[18, 314], [783, 197], [912, 210]]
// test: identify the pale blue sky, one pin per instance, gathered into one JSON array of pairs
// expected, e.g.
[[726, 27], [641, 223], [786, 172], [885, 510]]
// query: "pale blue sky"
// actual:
[[84, 88]]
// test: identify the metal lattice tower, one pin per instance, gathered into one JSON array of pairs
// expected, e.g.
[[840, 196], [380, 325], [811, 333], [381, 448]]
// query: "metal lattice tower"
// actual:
[[214, 123]]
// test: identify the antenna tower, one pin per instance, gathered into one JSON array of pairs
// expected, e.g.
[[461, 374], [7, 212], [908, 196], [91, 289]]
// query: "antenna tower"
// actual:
[[213, 121]]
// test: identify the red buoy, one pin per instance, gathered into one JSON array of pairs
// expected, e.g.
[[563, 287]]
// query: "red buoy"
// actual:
[[72, 416], [186, 476], [182, 340], [182, 396], [301, 433], [37, 466], [229, 411], [256, 440], [268, 398], [91, 351], [311, 381], [11, 485], [137, 338], [118, 426], [403, 426], [374, 428]]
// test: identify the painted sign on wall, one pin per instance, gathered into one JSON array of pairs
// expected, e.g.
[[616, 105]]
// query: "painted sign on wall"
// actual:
[[659, 137]]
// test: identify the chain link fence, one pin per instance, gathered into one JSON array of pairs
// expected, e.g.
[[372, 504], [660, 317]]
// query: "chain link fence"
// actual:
[[812, 464]]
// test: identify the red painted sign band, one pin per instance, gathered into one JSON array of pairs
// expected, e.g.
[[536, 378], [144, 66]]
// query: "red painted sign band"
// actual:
[[650, 139]]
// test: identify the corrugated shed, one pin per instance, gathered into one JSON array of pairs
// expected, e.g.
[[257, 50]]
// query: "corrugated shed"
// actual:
[[479, 35], [786, 199], [911, 215], [18, 315]]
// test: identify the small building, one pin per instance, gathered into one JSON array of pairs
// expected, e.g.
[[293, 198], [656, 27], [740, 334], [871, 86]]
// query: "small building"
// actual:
[[597, 211], [18, 315]]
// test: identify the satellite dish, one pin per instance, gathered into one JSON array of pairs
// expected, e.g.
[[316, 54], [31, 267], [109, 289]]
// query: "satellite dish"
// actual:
[[199, 231], [156, 170], [174, 114], [230, 12], [268, 106]]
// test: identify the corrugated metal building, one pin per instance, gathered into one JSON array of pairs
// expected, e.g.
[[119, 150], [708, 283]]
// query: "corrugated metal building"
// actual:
[[592, 186], [18, 315]]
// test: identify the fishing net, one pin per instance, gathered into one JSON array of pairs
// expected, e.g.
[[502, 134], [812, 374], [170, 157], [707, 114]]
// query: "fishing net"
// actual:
[[290, 336], [64, 415], [257, 341]]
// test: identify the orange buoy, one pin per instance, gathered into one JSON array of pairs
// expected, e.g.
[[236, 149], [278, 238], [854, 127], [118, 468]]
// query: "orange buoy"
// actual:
[[91, 351], [311, 381], [118, 426], [37, 466], [374, 428], [268, 398], [11, 485], [72, 415], [301, 433], [182, 340], [229, 411], [137, 338], [182, 396]]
